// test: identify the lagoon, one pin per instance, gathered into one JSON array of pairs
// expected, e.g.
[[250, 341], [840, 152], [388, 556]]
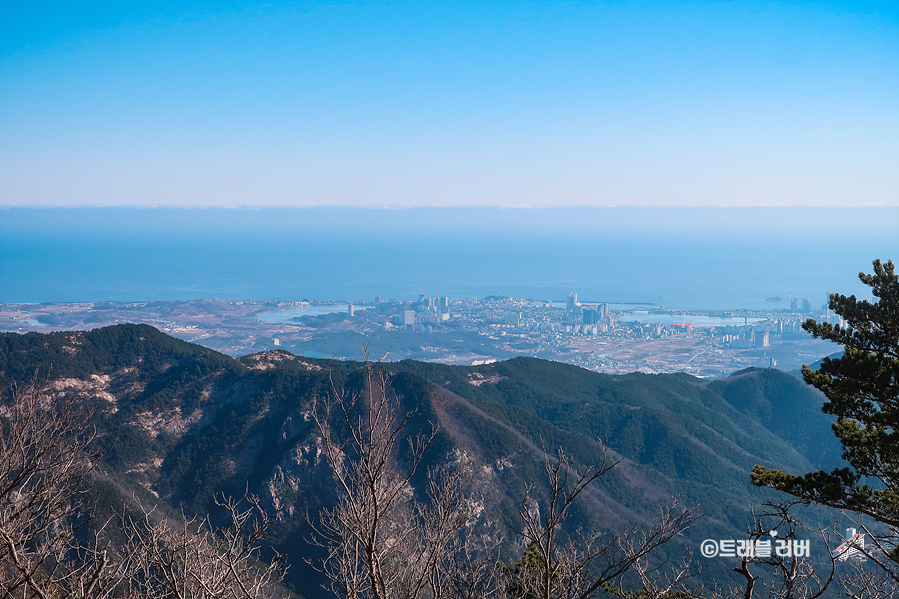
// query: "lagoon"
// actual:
[[698, 320], [288, 315]]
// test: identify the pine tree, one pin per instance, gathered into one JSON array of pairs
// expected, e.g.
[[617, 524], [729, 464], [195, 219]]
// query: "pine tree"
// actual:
[[862, 389]]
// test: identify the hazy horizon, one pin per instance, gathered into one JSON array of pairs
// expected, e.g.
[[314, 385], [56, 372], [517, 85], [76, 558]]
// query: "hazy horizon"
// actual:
[[699, 258]]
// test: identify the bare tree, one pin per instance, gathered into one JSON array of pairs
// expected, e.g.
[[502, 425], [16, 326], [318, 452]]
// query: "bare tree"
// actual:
[[381, 541], [472, 567], [865, 584], [45, 459], [587, 562], [46, 464], [655, 584], [770, 565], [186, 560]]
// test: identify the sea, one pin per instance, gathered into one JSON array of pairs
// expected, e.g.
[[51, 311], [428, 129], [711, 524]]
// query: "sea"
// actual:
[[679, 258]]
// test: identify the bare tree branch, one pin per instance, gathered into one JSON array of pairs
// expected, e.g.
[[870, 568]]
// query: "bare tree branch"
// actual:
[[587, 562], [45, 459], [382, 542], [187, 560]]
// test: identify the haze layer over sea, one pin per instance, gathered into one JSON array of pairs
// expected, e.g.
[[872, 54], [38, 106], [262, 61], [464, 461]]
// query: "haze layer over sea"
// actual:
[[683, 258]]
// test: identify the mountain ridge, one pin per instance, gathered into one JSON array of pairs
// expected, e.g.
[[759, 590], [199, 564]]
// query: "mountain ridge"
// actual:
[[184, 424]]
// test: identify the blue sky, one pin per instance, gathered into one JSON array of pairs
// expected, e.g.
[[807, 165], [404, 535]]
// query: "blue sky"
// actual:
[[449, 103]]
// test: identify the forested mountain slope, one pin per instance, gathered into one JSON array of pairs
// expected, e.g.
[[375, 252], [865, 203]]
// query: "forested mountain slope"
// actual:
[[185, 423]]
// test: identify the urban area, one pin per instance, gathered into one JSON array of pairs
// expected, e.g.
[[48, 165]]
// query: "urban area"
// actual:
[[601, 336]]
